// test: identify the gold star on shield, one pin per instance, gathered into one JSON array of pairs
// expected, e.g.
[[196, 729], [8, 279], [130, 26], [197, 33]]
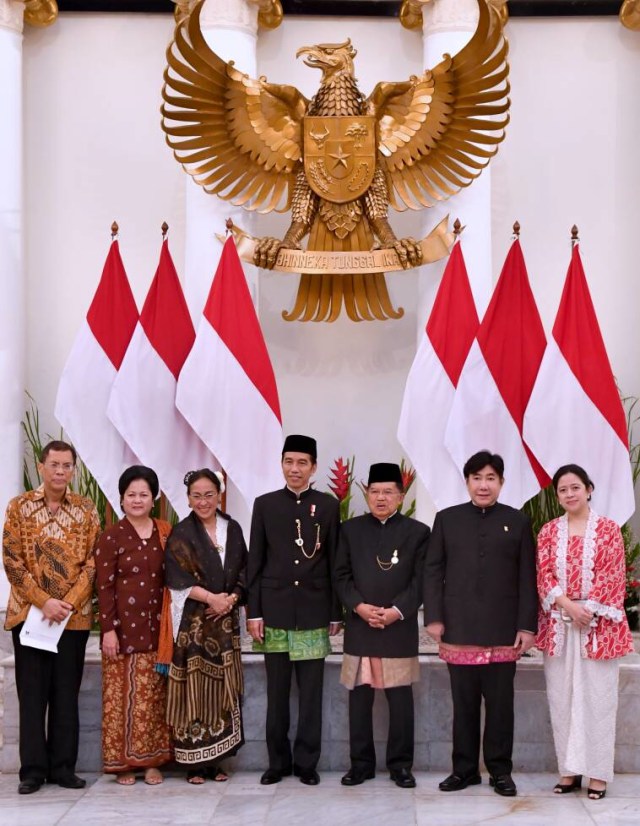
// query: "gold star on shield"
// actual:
[[340, 157]]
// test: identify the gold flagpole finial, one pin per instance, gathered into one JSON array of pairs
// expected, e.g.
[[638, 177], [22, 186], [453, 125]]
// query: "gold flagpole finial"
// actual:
[[574, 235], [516, 230], [228, 226], [165, 229], [114, 230], [458, 228]]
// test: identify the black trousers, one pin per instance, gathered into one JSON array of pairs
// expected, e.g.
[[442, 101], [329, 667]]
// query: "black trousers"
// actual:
[[469, 685], [306, 747], [400, 736], [48, 686]]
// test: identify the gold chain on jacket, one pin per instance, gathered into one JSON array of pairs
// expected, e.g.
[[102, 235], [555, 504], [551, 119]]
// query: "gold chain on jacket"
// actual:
[[387, 566], [300, 540]]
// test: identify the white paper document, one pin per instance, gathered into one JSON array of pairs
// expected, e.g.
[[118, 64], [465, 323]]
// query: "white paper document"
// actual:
[[37, 633]]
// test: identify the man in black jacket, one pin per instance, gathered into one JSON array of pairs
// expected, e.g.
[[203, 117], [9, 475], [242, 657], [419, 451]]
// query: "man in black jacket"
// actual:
[[480, 604], [291, 608], [378, 577]]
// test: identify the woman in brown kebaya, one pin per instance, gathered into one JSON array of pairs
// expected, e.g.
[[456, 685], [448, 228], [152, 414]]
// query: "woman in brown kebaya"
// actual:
[[130, 580]]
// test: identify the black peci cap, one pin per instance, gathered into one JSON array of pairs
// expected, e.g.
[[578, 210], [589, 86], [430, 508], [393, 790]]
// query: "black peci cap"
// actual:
[[385, 472], [301, 444]]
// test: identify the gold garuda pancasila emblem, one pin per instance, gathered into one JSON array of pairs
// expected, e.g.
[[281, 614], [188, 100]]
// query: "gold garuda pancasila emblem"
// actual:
[[339, 160]]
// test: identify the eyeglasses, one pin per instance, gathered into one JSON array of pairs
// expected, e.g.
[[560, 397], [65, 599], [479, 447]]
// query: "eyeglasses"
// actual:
[[66, 466], [197, 497], [387, 494]]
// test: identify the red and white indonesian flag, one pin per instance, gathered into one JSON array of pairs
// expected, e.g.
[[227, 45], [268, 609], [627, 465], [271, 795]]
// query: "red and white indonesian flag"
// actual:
[[227, 390], [88, 376], [575, 414], [496, 383], [431, 384], [142, 405]]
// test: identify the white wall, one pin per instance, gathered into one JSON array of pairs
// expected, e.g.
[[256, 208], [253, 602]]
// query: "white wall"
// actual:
[[95, 152]]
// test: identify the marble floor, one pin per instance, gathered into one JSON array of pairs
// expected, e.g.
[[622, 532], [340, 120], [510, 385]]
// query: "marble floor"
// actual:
[[243, 801]]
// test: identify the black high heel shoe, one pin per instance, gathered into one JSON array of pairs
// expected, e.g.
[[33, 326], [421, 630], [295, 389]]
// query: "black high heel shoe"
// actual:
[[596, 794], [565, 788]]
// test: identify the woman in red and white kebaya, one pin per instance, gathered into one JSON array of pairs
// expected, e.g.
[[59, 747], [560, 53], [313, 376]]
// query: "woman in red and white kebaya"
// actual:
[[582, 631]]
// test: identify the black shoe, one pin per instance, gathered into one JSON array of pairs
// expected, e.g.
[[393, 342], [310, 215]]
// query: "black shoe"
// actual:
[[503, 784], [309, 777], [403, 778], [455, 783], [272, 776], [565, 788], [71, 781], [355, 777], [29, 786], [596, 794]]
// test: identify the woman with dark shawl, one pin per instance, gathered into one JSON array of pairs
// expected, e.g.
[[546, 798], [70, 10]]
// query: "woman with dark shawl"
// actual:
[[206, 560]]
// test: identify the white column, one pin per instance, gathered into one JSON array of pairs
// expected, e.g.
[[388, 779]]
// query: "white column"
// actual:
[[448, 25], [12, 302], [230, 28]]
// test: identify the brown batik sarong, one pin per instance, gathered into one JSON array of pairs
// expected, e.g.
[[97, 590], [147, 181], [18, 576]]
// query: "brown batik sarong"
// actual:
[[134, 731]]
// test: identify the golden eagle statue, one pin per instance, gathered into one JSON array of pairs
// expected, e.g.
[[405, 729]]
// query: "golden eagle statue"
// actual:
[[339, 160]]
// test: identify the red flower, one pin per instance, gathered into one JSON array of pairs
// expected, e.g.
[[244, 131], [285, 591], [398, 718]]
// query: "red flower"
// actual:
[[341, 479], [408, 475]]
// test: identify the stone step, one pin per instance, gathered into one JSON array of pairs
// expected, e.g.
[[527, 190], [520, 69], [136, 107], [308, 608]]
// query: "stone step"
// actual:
[[533, 749]]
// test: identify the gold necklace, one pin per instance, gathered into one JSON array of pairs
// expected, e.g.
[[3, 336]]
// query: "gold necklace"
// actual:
[[213, 536], [387, 566], [300, 541]]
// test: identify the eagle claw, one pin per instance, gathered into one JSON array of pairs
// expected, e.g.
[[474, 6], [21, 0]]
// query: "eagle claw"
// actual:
[[409, 252], [266, 251]]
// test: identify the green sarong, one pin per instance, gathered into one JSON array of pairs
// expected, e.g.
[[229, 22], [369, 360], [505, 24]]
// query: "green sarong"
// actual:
[[299, 645]]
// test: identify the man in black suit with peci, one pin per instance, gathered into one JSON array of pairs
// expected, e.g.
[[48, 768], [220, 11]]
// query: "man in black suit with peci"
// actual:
[[291, 610], [378, 576]]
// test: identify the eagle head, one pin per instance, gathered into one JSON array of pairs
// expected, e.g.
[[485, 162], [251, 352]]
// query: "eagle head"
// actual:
[[334, 59]]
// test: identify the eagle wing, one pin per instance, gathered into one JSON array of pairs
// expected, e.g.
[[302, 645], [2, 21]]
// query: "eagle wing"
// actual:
[[438, 131], [239, 138]]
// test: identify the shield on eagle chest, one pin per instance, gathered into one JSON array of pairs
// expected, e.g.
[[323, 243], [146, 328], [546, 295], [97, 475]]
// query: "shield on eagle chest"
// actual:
[[340, 156]]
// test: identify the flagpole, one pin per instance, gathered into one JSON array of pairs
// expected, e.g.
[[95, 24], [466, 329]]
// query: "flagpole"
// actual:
[[163, 511], [109, 514]]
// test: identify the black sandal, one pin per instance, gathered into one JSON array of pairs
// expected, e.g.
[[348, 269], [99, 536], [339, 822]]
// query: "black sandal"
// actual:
[[217, 774], [565, 788], [196, 777]]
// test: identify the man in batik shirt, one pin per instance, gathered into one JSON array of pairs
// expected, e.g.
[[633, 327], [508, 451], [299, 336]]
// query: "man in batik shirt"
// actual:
[[48, 543]]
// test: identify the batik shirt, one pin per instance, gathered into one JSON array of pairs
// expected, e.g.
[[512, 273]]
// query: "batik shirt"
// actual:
[[50, 555]]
